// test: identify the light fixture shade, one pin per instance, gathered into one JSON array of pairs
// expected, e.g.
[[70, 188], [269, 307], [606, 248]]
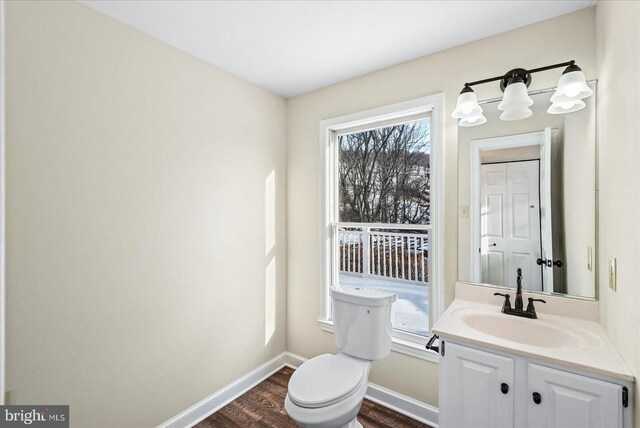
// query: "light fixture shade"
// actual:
[[467, 105], [568, 107], [516, 114], [572, 86], [472, 121], [515, 97]]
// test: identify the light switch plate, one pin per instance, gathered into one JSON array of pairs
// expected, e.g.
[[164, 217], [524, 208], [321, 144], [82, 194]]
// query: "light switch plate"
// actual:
[[464, 211], [613, 274]]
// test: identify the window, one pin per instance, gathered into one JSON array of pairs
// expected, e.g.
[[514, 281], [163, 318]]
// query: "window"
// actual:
[[382, 222]]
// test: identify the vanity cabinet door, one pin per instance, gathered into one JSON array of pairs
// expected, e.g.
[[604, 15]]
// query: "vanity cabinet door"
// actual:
[[477, 389], [567, 400]]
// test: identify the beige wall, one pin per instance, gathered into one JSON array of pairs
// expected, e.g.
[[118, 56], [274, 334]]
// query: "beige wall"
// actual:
[[133, 176], [618, 31], [506, 155], [567, 37], [138, 242]]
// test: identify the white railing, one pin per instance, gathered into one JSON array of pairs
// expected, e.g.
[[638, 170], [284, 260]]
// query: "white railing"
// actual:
[[368, 250]]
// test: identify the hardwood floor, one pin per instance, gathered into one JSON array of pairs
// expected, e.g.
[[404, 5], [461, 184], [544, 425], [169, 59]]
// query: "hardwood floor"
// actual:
[[263, 406]]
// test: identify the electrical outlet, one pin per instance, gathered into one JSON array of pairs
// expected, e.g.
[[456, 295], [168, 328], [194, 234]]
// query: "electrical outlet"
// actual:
[[464, 211], [590, 259], [613, 275]]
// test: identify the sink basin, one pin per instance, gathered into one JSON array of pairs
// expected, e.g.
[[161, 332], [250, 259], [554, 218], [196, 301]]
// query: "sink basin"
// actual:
[[524, 331]]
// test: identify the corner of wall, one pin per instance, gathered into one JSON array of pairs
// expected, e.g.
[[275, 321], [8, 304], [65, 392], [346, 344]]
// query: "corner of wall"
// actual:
[[618, 134]]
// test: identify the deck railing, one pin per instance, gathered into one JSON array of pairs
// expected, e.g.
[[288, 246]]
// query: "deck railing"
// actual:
[[385, 252]]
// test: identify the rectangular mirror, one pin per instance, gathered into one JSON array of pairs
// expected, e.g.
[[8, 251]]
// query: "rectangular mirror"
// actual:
[[527, 199]]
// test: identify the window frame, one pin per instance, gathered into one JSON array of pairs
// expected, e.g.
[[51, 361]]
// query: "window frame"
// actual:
[[432, 105]]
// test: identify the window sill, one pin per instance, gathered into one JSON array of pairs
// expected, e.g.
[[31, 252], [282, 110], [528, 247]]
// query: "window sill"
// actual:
[[402, 346]]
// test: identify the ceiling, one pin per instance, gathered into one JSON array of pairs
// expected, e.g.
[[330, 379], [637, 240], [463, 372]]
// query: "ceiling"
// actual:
[[292, 47]]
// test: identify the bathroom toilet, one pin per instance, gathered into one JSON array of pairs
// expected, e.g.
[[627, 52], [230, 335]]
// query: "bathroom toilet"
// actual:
[[327, 391]]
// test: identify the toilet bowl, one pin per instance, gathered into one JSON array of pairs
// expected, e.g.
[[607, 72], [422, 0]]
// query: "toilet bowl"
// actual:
[[327, 391]]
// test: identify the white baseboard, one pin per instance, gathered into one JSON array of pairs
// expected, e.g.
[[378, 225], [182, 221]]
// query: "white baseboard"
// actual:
[[408, 406], [293, 360], [225, 395]]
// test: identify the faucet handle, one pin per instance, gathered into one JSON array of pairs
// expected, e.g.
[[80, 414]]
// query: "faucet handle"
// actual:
[[507, 302], [531, 309]]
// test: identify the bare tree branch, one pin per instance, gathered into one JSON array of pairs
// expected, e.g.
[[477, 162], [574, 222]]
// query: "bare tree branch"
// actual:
[[385, 174]]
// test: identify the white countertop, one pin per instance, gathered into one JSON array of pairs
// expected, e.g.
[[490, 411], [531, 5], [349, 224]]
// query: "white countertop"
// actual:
[[595, 353]]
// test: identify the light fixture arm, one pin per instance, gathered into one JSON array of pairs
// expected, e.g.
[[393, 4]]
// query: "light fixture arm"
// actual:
[[551, 67], [524, 74]]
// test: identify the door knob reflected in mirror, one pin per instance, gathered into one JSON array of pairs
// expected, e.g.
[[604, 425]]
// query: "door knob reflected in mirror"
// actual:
[[549, 263], [537, 398]]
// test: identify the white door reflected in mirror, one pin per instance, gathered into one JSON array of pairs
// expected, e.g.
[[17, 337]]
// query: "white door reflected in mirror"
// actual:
[[510, 227]]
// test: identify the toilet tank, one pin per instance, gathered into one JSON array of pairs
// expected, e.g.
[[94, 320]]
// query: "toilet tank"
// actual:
[[362, 321]]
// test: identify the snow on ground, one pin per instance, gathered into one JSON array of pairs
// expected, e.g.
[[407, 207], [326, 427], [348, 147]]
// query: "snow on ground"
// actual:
[[411, 308]]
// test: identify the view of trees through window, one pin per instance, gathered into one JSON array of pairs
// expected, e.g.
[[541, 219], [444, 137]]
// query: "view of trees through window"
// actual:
[[384, 174], [384, 181]]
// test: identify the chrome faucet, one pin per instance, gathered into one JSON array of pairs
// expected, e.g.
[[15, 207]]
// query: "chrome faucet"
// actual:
[[530, 312]]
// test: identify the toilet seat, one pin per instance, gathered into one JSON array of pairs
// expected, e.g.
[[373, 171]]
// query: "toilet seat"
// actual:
[[325, 380]]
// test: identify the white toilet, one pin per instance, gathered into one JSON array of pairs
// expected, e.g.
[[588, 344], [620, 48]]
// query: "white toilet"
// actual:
[[327, 391]]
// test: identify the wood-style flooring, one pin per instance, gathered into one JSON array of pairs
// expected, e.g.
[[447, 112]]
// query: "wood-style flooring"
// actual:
[[263, 406]]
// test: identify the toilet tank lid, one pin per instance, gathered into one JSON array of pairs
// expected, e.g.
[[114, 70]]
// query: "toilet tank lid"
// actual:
[[364, 296]]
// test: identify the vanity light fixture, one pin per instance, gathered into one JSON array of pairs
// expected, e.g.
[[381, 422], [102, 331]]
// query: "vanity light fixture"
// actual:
[[467, 106], [468, 110], [516, 101], [567, 107], [473, 121], [571, 90]]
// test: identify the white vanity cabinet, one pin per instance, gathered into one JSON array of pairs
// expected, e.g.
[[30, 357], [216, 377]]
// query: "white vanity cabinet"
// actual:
[[569, 400], [480, 387], [476, 388]]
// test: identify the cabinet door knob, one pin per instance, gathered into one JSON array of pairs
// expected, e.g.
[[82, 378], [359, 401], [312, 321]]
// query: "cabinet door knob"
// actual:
[[504, 388], [537, 398]]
